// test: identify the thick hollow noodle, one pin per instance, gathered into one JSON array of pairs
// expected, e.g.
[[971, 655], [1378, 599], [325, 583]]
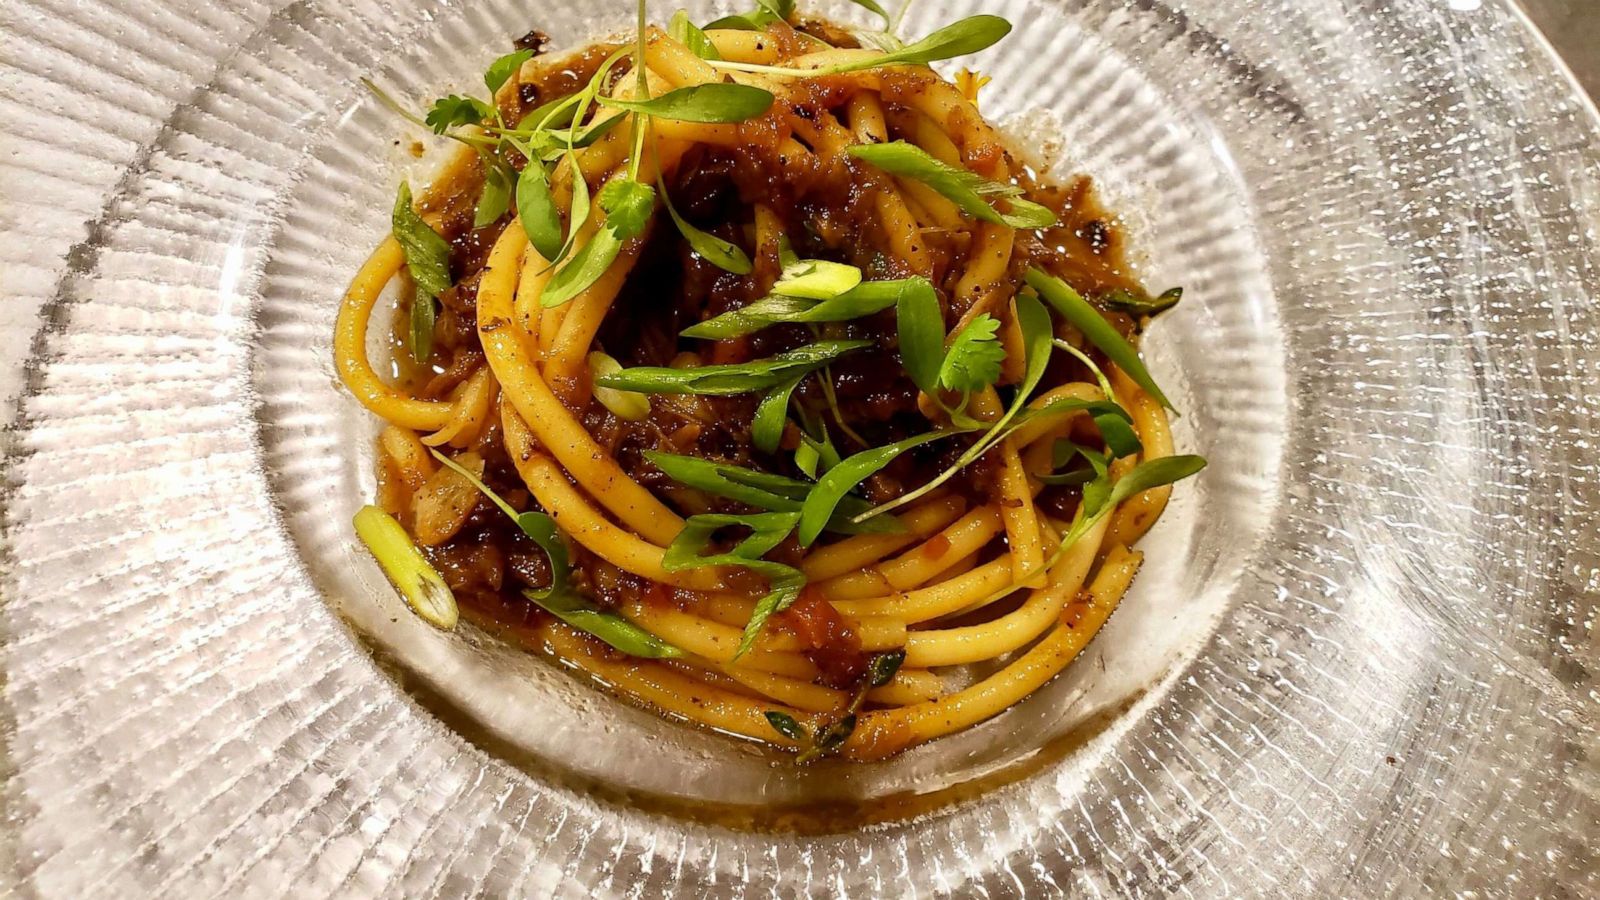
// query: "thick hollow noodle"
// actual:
[[968, 587]]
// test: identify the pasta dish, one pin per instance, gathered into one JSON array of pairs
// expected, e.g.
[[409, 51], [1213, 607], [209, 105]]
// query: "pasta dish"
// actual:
[[745, 367]]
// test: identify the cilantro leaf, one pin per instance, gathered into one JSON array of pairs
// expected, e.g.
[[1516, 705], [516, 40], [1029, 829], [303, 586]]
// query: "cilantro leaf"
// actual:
[[427, 254], [973, 361], [453, 111], [627, 205]]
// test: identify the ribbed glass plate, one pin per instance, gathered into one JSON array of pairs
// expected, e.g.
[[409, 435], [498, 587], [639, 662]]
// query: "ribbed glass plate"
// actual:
[[1360, 661]]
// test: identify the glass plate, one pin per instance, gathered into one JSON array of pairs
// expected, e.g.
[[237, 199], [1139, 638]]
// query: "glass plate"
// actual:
[[1361, 660]]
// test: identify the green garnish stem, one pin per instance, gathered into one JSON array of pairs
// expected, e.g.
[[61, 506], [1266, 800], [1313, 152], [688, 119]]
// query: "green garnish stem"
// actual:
[[418, 582]]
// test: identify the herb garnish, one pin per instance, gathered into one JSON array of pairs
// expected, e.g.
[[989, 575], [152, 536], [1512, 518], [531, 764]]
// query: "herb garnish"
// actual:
[[710, 103], [551, 134], [764, 490], [1101, 495], [1140, 303], [560, 599], [864, 299], [454, 112], [970, 363], [1034, 322], [767, 530], [966, 189], [974, 357], [733, 378], [876, 7], [830, 737], [428, 260], [1063, 453], [685, 32], [968, 35], [833, 487], [725, 255], [501, 70], [1088, 320], [766, 12], [1115, 425], [536, 208]]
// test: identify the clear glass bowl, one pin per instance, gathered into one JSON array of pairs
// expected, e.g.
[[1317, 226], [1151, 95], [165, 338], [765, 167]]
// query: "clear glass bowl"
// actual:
[[1360, 660]]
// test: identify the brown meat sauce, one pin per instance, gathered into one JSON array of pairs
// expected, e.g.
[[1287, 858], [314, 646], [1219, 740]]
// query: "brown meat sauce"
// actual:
[[827, 212]]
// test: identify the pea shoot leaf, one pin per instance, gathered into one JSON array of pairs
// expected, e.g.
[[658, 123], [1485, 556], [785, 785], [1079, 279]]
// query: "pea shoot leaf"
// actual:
[[1034, 323], [763, 490], [966, 189], [968, 35], [876, 7], [536, 209], [831, 489], [767, 530], [765, 13], [559, 598], [920, 324], [428, 260], [583, 269], [707, 103], [498, 182], [864, 299], [1101, 496], [733, 378], [501, 70], [723, 254], [687, 33], [1083, 316]]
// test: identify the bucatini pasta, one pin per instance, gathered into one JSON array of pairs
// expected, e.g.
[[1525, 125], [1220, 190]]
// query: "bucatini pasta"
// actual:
[[746, 368]]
